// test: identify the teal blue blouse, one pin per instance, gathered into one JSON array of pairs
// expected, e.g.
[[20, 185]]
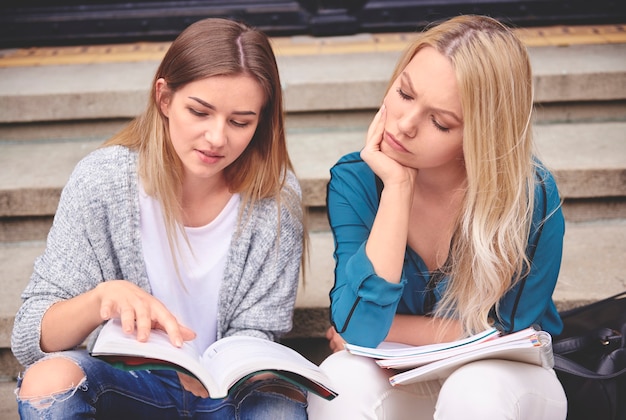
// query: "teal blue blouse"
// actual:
[[363, 304]]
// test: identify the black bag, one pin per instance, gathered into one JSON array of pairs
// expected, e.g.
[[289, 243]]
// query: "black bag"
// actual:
[[590, 359]]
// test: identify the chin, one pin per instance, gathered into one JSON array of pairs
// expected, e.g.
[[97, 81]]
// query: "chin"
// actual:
[[389, 152]]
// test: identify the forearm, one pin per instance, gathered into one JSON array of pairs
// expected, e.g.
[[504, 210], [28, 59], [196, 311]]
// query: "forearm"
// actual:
[[386, 244], [419, 330], [66, 324]]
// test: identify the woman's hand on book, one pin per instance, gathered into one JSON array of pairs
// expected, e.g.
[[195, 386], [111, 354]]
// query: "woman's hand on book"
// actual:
[[139, 312]]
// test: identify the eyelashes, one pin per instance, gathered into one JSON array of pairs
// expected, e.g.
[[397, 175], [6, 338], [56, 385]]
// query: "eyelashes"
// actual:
[[406, 97], [238, 124], [403, 95], [196, 112], [235, 123], [439, 126]]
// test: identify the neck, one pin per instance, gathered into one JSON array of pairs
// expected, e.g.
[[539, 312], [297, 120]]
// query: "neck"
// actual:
[[441, 182], [203, 199]]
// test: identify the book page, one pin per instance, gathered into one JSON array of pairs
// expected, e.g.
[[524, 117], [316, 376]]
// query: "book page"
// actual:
[[521, 339], [232, 358], [112, 341], [539, 354], [224, 364], [392, 350]]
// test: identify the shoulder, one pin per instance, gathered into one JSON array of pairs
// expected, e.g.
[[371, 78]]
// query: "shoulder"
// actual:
[[292, 185], [350, 163], [291, 200], [351, 167], [548, 205], [546, 189], [108, 162], [265, 211], [352, 177], [105, 172]]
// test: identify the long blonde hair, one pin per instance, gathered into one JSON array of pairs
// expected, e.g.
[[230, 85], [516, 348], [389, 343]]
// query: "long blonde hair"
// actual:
[[207, 48], [488, 251]]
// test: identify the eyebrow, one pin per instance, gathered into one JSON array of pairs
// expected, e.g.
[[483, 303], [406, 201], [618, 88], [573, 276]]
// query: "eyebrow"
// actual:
[[208, 105], [407, 79]]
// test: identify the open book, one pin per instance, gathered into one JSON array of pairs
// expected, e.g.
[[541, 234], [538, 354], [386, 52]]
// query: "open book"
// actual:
[[223, 366], [438, 361]]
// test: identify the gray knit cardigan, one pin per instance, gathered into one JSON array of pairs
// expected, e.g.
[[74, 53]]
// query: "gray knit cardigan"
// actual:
[[95, 237]]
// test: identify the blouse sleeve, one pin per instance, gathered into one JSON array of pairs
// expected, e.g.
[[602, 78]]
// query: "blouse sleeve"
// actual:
[[363, 304]]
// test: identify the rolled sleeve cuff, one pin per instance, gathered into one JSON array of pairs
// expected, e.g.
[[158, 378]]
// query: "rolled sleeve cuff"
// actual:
[[367, 285]]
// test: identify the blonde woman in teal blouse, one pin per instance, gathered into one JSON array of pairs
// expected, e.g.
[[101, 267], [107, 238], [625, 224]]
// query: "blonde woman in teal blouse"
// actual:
[[445, 224]]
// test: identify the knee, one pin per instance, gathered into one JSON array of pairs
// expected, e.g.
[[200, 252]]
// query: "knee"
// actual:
[[501, 389], [476, 385], [348, 367], [50, 376], [360, 382]]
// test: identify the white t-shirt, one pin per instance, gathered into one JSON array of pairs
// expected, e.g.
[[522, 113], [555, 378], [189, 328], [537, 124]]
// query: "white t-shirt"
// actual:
[[192, 297]]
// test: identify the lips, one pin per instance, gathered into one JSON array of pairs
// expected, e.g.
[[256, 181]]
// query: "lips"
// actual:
[[207, 156], [209, 153], [393, 143]]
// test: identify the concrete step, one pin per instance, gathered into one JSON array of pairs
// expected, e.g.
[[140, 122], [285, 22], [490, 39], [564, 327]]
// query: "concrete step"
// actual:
[[574, 75], [8, 405], [589, 160]]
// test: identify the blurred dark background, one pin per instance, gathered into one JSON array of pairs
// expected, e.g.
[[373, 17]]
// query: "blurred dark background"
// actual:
[[25, 23]]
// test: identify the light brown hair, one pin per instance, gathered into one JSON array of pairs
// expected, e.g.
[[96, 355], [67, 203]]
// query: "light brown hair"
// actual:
[[207, 48]]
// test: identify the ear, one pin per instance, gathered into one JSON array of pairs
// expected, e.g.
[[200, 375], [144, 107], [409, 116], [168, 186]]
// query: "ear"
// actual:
[[162, 96]]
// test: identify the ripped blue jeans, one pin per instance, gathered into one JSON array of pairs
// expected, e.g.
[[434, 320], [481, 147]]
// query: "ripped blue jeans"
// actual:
[[110, 393]]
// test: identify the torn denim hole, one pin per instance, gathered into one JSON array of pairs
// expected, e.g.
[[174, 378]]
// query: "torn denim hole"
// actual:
[[43, 402]]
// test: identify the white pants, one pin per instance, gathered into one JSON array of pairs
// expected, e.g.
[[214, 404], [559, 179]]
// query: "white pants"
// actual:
[[482, 390]]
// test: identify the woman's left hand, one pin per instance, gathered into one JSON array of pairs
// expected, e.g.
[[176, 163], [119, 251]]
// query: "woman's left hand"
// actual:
[[386, 168], [335, 341]]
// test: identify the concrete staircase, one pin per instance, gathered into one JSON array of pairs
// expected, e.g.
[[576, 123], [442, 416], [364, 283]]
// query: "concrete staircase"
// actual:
[[54, 114]]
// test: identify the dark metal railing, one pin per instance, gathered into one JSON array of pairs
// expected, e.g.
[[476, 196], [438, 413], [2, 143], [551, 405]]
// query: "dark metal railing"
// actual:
[[79, 22]]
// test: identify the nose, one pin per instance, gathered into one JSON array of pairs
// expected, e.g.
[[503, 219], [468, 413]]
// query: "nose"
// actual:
[[408, 122], [215, 133]]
